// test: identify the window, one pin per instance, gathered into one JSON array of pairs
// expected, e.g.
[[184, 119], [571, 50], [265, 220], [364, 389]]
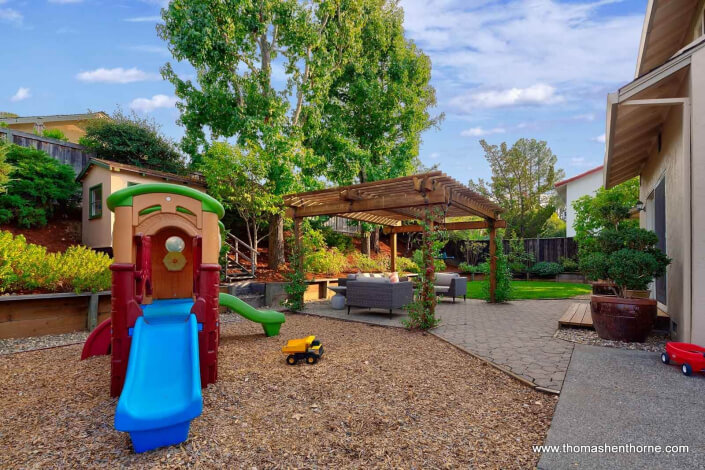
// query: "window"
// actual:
[[95, 201]]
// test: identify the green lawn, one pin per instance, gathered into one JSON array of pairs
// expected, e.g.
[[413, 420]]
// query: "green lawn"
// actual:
[[535, 290]]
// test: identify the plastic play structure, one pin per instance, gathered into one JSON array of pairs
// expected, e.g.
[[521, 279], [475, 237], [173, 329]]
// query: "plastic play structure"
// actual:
[[691, 357], [164, 329]]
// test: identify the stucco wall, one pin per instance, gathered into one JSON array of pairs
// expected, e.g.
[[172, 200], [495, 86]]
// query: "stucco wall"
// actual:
[[96, 233], [697, 71], [587, 185], [72, 129], [668, 164]]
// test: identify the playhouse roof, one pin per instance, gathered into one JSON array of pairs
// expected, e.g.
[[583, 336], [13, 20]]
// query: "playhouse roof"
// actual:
[[124, 196]]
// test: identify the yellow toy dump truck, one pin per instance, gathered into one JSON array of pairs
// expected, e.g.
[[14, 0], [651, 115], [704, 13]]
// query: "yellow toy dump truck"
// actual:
[[308, 348]]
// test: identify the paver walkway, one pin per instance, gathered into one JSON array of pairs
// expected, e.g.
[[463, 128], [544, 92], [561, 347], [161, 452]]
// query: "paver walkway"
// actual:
[[517, 335], [621, 397]]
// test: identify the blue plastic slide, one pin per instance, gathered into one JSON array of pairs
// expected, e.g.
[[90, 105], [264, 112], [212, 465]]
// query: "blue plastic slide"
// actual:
[[162, 391]]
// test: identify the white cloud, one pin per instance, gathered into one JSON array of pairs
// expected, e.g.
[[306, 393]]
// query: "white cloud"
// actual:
[[144, 19], [535, 95], [479, 131], [582, 162], [584, 117], [147, 105], [10, 15], [481, 45], [116, 75], [22, 94], [600, 138]]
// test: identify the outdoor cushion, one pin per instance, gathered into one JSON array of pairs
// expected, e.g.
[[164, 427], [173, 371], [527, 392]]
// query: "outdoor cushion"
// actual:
[[381, 280], [443, 279], [441, 289], [394, 277]]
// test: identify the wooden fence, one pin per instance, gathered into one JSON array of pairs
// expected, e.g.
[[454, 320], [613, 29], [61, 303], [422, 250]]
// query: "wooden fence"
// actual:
[[65, 152], [543, 249]]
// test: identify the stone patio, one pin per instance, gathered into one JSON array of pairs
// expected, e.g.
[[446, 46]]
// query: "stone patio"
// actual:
[[517, 335]]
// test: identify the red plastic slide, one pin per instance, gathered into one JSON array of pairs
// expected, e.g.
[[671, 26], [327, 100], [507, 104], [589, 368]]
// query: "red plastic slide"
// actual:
[[98, 342]]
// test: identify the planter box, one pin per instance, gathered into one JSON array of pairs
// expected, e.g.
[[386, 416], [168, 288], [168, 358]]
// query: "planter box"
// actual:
[[571, 277], [22, 316]]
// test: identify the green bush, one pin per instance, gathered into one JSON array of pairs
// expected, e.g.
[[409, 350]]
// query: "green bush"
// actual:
[[328, 262], [503, 276], [569, 265], [417, 258], [467, 268], [406, 265], [25, 267], [55, 134], [337, 240], [627, 256], [366, 264], [38, 185], [546, 269]]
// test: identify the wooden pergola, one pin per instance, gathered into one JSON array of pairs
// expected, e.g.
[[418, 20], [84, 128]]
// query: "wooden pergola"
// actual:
[[406, 199]]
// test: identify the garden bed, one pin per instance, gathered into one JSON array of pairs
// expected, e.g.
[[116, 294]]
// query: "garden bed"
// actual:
[[370, 402]]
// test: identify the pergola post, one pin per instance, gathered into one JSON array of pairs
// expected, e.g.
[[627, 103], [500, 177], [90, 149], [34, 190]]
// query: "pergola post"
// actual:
[[493, 260], [298, 237], [393, 247]]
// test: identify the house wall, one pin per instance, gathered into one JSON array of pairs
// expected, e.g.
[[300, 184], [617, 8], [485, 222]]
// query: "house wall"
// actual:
[[587, 185], [73, 130], [668, 164], [96, 233], [697, 77]]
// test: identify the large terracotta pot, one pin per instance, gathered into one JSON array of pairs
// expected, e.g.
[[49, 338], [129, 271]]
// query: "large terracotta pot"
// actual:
[[620, 319]]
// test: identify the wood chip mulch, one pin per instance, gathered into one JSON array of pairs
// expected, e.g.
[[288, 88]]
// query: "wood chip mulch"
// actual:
[[379, 398]]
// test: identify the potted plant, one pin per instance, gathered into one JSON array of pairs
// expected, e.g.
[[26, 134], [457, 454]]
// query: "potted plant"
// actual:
[[628, 258]]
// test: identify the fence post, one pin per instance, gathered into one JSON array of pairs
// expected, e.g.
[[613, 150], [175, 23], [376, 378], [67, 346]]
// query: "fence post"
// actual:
[[92, 312]]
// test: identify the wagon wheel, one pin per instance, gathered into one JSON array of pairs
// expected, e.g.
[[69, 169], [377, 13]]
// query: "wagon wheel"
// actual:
[[665, 359], [291, 360], [311, 359], [686, 369]]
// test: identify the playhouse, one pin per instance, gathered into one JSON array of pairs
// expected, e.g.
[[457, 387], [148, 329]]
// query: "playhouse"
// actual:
[[164, 329]]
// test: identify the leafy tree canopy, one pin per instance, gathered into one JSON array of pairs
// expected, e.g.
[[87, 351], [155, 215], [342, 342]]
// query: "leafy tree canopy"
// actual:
[[55, 134], [523, 178], [554, 227], [130, 139]]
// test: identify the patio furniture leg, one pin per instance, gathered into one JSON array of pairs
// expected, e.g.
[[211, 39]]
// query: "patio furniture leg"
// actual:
[[348, 309], [453, 299], [390, 313], [465, 297]]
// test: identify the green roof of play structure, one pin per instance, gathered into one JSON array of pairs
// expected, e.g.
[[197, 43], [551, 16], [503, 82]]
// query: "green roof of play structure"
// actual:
[[123, 197]]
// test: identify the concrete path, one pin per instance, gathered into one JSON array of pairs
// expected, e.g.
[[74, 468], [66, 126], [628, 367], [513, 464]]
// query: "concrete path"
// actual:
[[619, 397], [517, 335]]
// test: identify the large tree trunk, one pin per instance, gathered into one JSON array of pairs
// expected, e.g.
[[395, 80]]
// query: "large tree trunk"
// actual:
[[374, 240], [276, 241], [365, 247]]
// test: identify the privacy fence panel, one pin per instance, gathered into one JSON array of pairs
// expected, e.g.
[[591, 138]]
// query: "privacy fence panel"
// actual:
[[65, 152], [543, 249]]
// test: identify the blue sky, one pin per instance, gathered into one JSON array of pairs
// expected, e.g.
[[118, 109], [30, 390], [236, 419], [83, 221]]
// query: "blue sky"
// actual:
[[502, 69]]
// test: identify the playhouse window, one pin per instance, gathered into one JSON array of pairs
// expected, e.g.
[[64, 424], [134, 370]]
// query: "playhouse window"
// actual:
[[95, 202]]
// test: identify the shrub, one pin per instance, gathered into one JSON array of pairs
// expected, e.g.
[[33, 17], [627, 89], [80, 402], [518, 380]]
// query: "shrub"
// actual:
[[546, 269], [38, 186], [132, 140], [627, 256], [367, 264], [296, 287], [569, 265], [406, 265], [467, 268], [417, 258], [519, 260], [55, 134], [25, 266], [337, 240], [328, 262]]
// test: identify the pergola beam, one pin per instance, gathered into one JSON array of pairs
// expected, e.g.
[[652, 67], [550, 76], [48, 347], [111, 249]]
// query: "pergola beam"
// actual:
[[472, 225]]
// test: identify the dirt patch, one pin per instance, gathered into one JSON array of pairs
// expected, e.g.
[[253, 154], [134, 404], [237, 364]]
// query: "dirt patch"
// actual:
[[379, 398], [56, 236]]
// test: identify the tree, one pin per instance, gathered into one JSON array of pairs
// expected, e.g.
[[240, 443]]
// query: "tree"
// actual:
[[607, 209], [130, 139], [5, 168], [235, 48], [38, 185], [523, 179], [57, 134], [554, 227], [237, 178]]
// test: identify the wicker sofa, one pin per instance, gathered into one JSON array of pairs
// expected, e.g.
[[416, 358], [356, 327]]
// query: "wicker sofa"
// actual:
[[378, 292], [451, 285]]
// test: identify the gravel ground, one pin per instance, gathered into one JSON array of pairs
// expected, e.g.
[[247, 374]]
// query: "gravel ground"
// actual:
[[379, 398], [654, 343]]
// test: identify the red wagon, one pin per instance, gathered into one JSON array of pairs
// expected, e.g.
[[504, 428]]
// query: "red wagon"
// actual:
[[691, 357]]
